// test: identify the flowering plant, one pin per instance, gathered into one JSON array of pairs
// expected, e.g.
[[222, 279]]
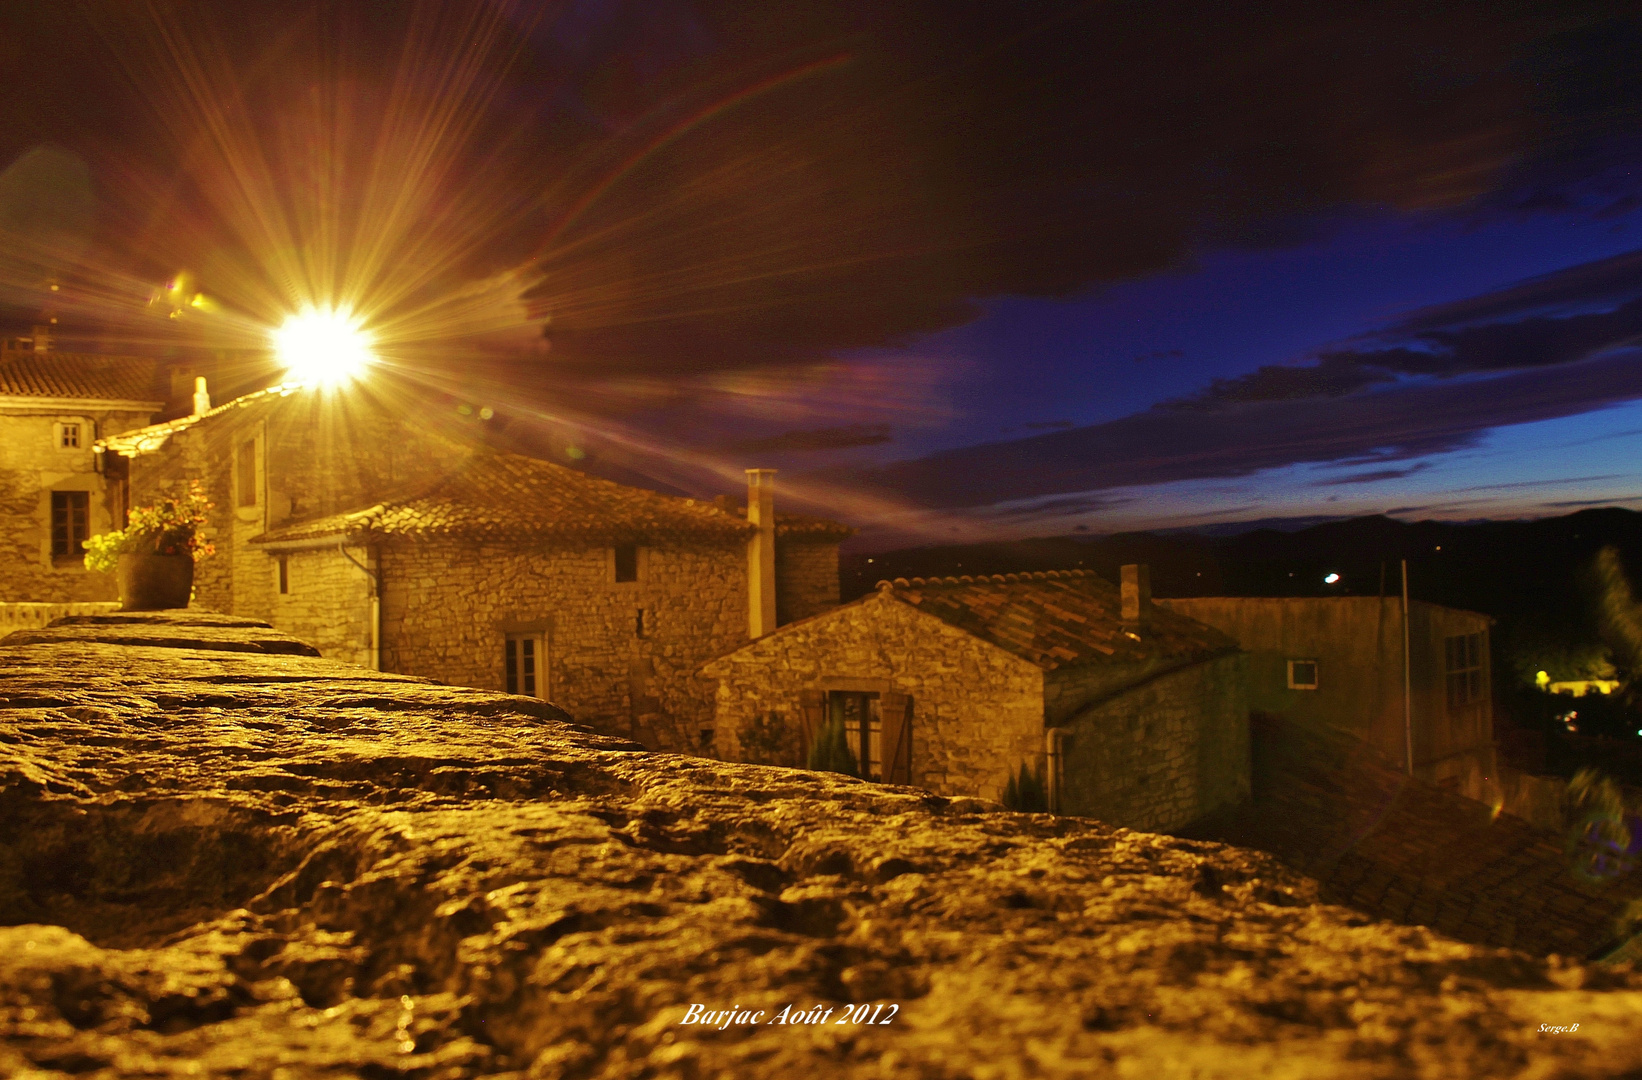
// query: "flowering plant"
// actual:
[[171, 526]]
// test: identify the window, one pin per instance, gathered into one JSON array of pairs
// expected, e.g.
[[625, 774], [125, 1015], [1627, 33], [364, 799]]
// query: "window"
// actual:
[[1464, 667], [638, 623], [1302, 674], [70, 522], [284, 572], [523, 663], [247, 473], [68, 436], [627, 562], [863, 728]]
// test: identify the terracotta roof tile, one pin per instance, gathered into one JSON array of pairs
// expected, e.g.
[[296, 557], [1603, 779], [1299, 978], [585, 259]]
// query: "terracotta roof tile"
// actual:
[[80, 375], [508, 497], [1056, 618]]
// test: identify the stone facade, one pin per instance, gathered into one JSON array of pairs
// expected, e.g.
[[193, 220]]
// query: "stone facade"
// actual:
[[977, 711], [806, 578], [470, 548], [1357, 645], [448, 609], [33, 465], [1154, 736], [1164, 753]]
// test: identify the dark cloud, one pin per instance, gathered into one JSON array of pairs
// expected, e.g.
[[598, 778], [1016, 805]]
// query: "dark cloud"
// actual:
[[719, 183], [834, 438], [1331, 377], [1168, 444], [1376, 476]]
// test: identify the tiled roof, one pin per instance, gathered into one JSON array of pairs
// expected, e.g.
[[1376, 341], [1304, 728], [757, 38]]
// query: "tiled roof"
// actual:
[[806, 527], [507, 497], [80, 375], [145, 440], [1056, 618]]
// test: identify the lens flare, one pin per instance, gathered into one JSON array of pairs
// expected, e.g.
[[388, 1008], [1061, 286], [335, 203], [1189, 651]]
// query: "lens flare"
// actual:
[[324, 346]]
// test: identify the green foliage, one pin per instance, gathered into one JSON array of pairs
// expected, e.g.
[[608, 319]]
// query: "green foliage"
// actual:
[[170, 526], [770, 740], [831, 752], [1027, 791]]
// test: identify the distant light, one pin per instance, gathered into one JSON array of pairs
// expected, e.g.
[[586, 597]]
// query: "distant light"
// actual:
[[1331, 579], [324, 346], [486, 413], [1542, 679]]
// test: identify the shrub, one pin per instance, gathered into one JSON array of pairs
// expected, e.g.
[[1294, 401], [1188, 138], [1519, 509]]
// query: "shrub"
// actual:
[[170, 526], [1027, 791], [831, 752], [769, 740]]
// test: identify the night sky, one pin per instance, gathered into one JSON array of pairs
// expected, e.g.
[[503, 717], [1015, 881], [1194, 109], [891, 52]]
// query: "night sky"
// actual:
[[957, 269]]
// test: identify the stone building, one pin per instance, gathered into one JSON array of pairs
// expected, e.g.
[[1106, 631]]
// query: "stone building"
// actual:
[[1338, 661], [54, 489], [1137, 714], [352, 525]]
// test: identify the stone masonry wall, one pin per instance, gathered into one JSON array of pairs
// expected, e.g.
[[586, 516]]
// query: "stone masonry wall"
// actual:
[[977, 711], [328, 603], [806, 579], [448, 607], [1164, 753], [32, 466]]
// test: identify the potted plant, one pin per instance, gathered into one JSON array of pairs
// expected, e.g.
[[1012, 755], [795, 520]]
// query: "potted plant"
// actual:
[[153, 557]]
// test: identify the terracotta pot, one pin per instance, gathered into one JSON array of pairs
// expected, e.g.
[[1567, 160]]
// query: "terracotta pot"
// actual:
[[154, 582]]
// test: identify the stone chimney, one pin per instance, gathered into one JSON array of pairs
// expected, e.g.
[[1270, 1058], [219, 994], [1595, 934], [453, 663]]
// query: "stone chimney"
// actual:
[[761, 552], [1137, 596], [202, 396]]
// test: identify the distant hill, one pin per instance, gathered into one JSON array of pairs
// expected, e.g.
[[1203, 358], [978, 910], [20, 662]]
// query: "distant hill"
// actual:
[[1530, 575]]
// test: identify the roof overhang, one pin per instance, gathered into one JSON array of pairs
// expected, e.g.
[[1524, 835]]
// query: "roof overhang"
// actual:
[[30, 403], [310, 543]]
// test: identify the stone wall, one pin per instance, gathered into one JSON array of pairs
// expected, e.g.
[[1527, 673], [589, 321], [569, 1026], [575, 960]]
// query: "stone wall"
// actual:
[[1164, 753], [328, 603], [32, 466], [1358, 645], [977, 711], [448, 607], [806, 579]]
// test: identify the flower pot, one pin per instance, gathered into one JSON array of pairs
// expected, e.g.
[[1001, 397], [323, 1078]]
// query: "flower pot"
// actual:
[[154, 582]]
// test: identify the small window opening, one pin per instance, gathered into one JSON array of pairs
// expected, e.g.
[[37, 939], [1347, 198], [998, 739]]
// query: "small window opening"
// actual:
[[638, 623], [627, 562], [68, 436], [1464, 670], [522, 663], [284, 574], [1302, 674]]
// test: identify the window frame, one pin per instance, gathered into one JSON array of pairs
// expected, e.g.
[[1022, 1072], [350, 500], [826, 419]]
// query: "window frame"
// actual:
[[1316, 677], [518, 648], [66, 430], [74, 545], [616, 561], [866, 742], [1469, 677]]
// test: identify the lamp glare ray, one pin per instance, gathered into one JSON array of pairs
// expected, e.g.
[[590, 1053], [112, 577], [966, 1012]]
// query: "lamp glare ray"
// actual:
[[324, 346]]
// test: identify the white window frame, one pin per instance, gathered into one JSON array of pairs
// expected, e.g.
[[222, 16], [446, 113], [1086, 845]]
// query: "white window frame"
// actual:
[[1315, 674], [60, 432], [515, 645]]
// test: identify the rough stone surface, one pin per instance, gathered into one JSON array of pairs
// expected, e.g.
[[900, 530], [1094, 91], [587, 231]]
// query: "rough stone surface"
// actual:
[[232, 863]]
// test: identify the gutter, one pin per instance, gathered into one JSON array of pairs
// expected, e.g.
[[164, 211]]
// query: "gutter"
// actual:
[[376, 598]]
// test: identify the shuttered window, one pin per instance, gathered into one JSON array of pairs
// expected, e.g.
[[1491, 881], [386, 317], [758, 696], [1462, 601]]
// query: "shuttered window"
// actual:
[[1464, 659], [70, 522]]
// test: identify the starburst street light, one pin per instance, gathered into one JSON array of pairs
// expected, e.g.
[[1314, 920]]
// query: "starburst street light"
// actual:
[[324, 346]]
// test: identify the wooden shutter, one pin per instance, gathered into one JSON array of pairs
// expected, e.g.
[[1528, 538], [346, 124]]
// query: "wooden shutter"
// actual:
[[897, 717], [812, 714]]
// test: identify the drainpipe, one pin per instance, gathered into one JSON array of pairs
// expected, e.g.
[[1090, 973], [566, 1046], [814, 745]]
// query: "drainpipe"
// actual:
[[1408, 684], [761, 552], [1053, 740], [376, 602]]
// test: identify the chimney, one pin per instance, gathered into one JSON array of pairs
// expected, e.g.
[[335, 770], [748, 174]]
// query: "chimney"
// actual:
[[761, 552], [1137, 595], [42, 338], [202, 396]]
